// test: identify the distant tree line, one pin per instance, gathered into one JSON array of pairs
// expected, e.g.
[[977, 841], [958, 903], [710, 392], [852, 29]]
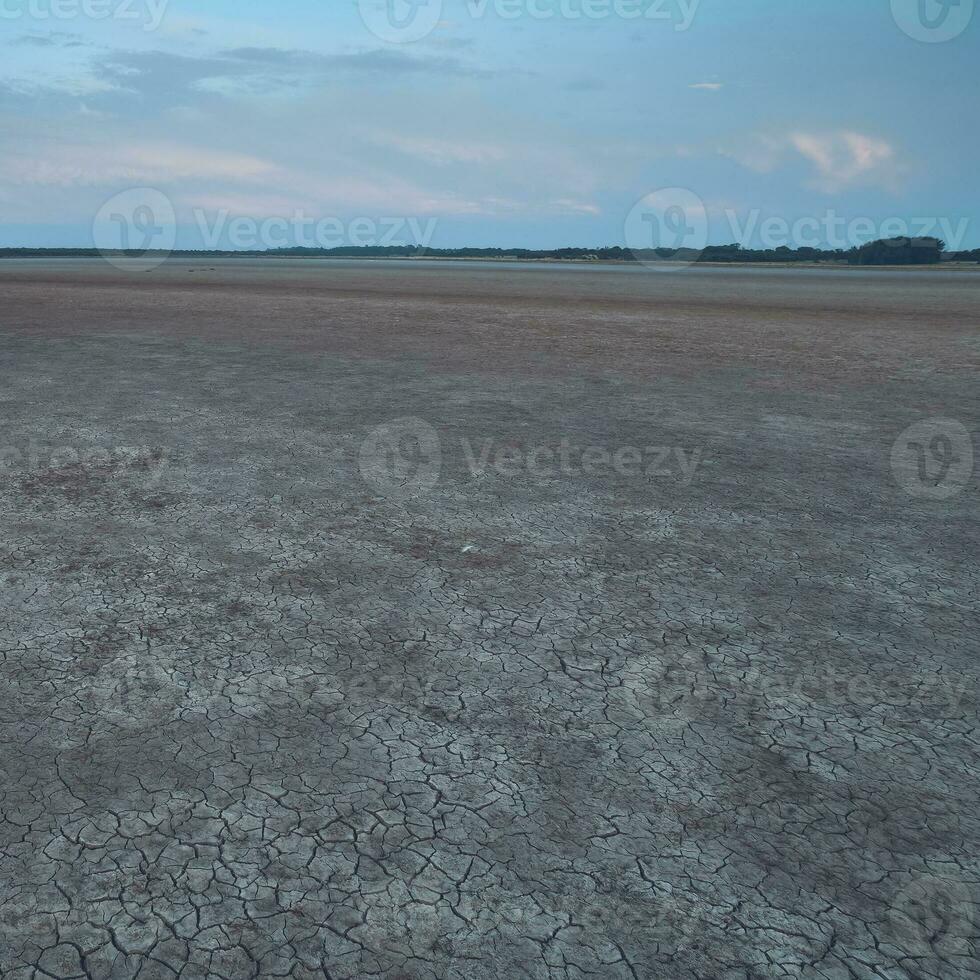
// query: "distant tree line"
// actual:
[[892, 251]]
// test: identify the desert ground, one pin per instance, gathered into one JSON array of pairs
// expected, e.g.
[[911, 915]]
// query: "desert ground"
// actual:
[[415, 620]]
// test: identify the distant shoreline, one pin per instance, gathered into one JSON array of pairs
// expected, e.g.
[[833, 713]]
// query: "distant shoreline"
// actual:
[[952, 265]]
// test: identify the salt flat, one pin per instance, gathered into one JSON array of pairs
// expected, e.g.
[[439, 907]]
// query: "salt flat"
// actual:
[[467, 620]]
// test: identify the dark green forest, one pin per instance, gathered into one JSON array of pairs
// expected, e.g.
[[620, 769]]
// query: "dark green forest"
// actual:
[[884, 252]]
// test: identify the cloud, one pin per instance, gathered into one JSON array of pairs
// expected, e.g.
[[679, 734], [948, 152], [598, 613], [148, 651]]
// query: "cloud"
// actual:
[[166, 75], [843, 159], [53, 39], [442, 151], [53, 175], [708, 86], [380, 61], [72, 165], [839, 159], [566, 206], [265, 130], [161, 74]]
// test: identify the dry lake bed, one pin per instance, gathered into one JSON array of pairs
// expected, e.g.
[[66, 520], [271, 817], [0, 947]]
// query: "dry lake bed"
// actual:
[[473, 621]]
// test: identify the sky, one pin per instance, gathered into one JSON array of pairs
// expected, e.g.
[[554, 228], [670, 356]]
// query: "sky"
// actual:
[[511, 123]]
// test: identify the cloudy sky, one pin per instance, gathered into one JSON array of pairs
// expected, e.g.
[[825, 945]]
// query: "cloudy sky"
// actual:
[[534, 123]]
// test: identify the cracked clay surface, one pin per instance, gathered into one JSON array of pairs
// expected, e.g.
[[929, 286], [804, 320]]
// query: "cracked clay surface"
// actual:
[[267, 714]]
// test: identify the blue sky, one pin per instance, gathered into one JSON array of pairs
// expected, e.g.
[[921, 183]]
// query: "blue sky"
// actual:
[[502, 125]]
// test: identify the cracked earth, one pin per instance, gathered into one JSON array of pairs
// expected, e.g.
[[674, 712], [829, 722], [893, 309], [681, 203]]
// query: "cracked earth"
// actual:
[[264, 714]]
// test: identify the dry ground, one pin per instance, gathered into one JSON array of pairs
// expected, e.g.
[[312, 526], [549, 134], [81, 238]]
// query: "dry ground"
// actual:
[[324, 652]]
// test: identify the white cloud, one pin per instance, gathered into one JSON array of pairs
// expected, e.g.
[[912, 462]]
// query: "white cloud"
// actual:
[[66, 164], [708, 86], [442, 151], [843, 159], [840, 159], [566, 206]]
